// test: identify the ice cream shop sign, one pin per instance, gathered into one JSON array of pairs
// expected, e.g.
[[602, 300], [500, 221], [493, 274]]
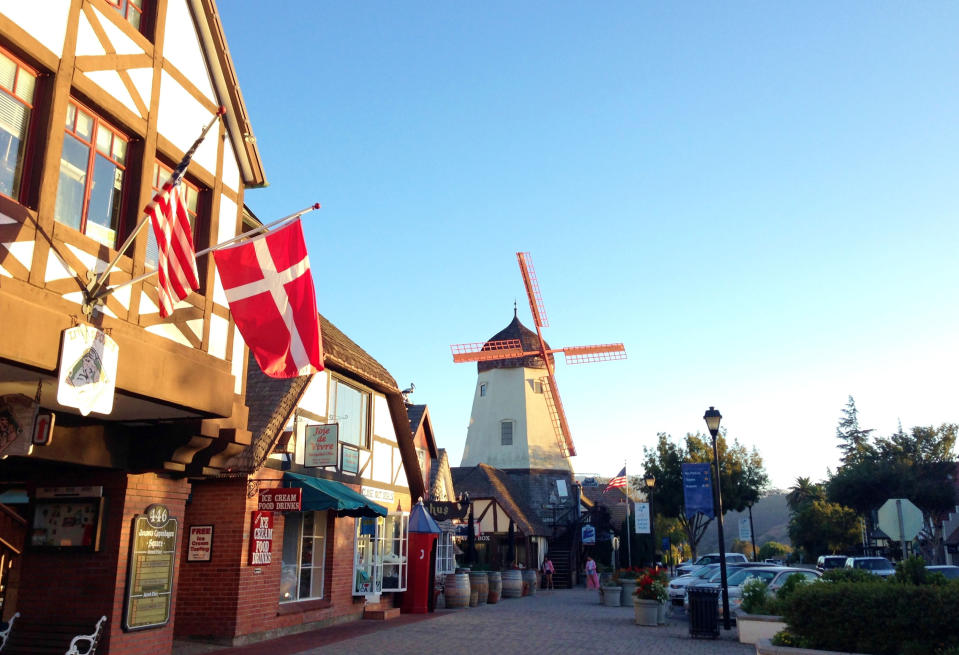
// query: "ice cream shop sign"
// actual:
[[280, 500], [261, 538]]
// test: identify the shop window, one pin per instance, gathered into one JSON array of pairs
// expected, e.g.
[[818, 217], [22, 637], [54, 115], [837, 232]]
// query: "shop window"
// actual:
[[350, 407], [92, 168], [304, 556], [380, 554], [132, 10], [191, 196], [445, 558], [17, 84], [506, 433]]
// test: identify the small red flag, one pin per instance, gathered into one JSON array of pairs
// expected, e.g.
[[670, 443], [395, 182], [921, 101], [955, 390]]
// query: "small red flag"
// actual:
[[269, 287]]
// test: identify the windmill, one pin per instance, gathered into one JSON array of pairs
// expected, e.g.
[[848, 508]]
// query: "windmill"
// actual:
[[509, 349]]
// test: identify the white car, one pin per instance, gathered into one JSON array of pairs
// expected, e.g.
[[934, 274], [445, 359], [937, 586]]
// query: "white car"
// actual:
[[711, 558], [677, 586]]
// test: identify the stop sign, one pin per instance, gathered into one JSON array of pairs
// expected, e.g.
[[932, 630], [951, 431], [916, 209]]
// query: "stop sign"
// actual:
[[889, 519]]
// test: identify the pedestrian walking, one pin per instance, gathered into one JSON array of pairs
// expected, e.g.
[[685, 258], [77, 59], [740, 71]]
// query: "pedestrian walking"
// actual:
[[548, 570], [592, 577]]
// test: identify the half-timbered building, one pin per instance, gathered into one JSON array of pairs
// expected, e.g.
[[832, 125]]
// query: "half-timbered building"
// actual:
[[99, 100]]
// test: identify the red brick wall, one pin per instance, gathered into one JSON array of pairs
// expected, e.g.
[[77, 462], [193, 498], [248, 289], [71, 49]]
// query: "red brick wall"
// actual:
[[143, 490], [208, 592], [64, 585]]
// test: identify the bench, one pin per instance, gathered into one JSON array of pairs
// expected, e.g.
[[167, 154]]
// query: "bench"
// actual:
[[60, 638]]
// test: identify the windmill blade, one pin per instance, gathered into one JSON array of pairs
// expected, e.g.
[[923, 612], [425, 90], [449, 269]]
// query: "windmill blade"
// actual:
[[556, 413], [532, 289], [487, 350], [601, 353]]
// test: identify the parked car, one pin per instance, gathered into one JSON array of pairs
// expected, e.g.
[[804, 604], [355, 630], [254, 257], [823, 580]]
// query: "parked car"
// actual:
[[677, 586], [951, 572], [711, 558], [826, 562], [774, 577], [715, 579], [877, 565]]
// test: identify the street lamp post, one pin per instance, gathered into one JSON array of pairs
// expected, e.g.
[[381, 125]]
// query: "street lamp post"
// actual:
[[650, 481], [712, 418]]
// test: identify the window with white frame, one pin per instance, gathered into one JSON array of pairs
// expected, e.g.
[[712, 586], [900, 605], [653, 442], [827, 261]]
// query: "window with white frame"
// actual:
[[350, 407], [304, 556], [506, 433], [380, 554], [445, 559]]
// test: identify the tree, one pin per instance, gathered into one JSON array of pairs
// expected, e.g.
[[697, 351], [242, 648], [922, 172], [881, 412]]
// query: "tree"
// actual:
[[854, 441], [774, 549], [742, 477], [744, 547], [819, 527], [803, 491]]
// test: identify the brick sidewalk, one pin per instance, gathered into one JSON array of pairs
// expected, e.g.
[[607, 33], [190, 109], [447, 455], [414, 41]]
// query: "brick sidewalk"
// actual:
[[565, 621]]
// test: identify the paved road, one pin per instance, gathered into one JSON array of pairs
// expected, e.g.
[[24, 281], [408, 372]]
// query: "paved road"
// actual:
[[565, 621]]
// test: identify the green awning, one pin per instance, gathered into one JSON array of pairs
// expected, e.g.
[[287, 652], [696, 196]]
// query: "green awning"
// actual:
[[320, 494]]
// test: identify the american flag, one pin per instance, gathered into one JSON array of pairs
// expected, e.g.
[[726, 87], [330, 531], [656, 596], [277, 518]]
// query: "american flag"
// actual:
[[618, 482], [176, 266]]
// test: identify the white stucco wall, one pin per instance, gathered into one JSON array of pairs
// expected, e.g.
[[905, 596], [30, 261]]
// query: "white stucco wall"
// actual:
[[511, 396]]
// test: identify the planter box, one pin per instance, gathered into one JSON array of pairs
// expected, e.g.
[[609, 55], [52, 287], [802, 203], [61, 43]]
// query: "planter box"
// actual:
[[629, 586], [763, 647], [753, 627], [646, 612], [611, 596]]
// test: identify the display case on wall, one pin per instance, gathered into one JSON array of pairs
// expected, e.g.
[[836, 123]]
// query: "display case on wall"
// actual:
[[67, 518]]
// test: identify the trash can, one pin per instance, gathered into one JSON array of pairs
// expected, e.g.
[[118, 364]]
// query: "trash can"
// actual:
[[703, 612]]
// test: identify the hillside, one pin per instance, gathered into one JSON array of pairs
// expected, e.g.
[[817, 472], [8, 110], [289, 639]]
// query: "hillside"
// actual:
[[770, 520]]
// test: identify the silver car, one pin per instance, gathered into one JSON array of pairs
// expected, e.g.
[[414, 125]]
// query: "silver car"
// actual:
[[677, 586], [877, 565], [774, 577]]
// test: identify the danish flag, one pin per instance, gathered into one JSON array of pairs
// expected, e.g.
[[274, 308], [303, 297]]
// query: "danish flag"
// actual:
[[269, 288]]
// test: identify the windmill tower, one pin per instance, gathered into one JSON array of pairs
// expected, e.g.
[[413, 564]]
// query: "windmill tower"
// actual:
[[517, 421]]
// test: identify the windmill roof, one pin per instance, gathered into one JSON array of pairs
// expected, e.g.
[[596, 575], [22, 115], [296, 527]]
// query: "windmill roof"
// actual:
[[529, 341]]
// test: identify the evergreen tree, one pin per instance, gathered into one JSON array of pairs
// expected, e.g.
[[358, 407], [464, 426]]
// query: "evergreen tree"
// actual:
[[853, 440]]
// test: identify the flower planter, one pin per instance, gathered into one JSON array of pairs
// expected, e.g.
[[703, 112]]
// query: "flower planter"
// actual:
[[611, 596], [661, 613], [646, 611], [629, 586], [753, 627]]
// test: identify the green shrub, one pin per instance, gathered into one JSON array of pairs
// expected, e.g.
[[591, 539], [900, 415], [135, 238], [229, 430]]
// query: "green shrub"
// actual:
[[755, 600], [912, 571], [875, 617], [850, 575]]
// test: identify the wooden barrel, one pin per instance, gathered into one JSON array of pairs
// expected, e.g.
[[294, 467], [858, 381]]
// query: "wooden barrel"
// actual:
[[457, 590], [495, 583], [479, 582], [512, 583], [529, 582]]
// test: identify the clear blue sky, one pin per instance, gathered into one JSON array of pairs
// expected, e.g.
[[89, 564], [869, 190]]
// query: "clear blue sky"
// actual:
[[758, 199]]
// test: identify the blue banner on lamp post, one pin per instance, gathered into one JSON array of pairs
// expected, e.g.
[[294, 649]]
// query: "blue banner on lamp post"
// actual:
[[698, 490]]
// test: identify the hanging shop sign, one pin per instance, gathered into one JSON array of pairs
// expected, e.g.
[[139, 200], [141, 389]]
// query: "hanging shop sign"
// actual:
[[17, 417], [150, 577], [280, 500], [200, 547], [88, 370], [589, 535], [320, 445], [261, 538], [443, 511], [351, 460]]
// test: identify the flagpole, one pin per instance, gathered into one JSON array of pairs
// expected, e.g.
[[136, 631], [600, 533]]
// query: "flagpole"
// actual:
[[103, 293], [629, 524], [93, 290]]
